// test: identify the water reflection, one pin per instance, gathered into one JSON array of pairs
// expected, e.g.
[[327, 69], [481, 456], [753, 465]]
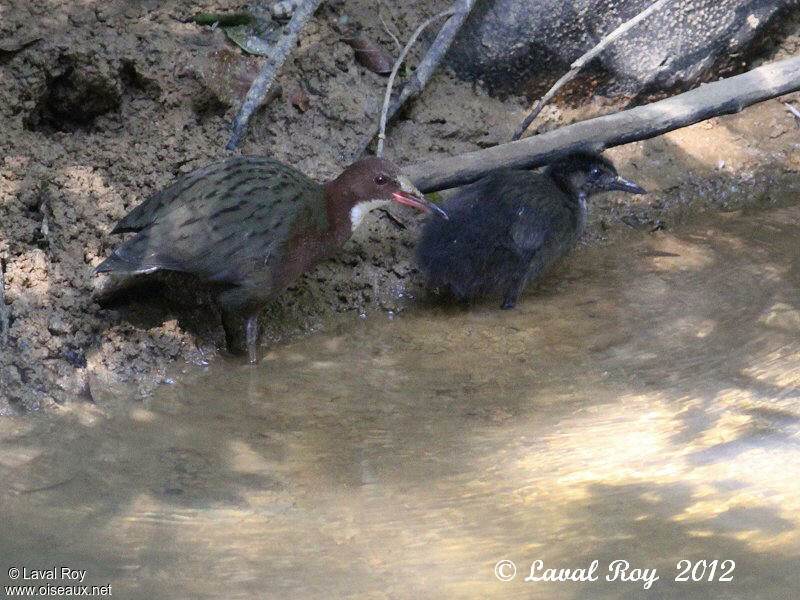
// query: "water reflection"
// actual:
[[642, 404]]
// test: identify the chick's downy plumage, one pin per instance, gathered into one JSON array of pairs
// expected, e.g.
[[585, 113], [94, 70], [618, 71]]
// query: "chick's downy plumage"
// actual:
[[509, 227], [251, 225]]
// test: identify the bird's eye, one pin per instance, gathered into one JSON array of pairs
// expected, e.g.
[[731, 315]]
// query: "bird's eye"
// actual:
[[381, 180], [595, 172]]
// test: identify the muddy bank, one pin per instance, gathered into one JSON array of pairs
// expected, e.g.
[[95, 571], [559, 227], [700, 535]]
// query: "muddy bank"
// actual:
[[103, 106]]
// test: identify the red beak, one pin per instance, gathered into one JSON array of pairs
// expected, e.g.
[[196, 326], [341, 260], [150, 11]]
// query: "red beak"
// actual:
[[418, 202]]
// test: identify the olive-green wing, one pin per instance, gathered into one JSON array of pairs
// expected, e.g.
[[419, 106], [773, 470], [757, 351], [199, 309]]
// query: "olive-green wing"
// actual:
[[224, 225], [192, 187]]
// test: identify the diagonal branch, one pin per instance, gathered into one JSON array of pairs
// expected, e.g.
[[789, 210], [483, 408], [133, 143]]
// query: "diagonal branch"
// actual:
[[428, 65], [576, 66], [261, 84], [390, 83], [643, 122], [4, 319]]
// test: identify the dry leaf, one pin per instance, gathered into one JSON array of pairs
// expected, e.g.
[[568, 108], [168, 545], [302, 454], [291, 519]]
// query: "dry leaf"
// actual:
[[370, 54], [299, 99]]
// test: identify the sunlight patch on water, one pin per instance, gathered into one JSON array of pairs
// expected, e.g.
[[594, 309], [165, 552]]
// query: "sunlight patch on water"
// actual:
[[636, 405]]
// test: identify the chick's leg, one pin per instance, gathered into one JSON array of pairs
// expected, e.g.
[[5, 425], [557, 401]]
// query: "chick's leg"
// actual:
[[251, 337], [514, 290]]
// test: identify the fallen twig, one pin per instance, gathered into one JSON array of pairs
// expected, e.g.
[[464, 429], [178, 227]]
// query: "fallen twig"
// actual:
[[428, 65], [9, 50], [261, 84], [4, 320], [390, 83], [643, 122], [576, 66], [794, 112], [386, 27]]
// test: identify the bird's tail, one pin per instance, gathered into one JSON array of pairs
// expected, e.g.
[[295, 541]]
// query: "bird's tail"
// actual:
[[128, 259], [115, 264]]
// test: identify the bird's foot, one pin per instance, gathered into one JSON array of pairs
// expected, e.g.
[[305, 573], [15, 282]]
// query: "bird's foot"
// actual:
[[508, 304], [513, 292], [251, 335]]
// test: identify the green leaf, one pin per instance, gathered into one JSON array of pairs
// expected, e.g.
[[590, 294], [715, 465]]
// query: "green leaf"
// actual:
[[224, 19]]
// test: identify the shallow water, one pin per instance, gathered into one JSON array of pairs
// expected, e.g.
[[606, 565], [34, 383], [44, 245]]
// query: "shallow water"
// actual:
[[642, 404]]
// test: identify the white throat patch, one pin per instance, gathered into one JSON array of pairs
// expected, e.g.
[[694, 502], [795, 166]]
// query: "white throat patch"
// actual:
[[360, 210]]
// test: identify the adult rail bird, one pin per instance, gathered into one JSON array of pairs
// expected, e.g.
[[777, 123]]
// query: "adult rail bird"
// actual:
[[251, 225]]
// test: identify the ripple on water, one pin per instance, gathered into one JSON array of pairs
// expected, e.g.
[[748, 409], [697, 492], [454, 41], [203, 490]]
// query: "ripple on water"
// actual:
[[642, 403]]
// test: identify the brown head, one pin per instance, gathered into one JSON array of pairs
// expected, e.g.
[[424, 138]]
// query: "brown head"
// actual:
[[371, 183]]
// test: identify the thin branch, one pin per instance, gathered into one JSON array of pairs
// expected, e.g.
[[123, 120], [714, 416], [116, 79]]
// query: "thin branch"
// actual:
[[395, 69], [643, 122], [261, 84], [428, 65], [386, 27], [4, 319], [794, 112], [435, 54], [576, 66]]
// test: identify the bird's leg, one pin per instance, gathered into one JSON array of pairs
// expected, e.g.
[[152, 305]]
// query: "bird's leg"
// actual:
[[231, 323], [235, 322], [251, 336], [514, 290]]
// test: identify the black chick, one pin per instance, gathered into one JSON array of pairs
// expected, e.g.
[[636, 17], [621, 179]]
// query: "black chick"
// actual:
[[510, 226]]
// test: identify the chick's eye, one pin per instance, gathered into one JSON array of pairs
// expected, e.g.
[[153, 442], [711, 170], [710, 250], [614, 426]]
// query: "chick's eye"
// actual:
[[381, 180]]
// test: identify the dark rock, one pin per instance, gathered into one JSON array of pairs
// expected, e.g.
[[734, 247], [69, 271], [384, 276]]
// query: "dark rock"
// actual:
[[518, 46]]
